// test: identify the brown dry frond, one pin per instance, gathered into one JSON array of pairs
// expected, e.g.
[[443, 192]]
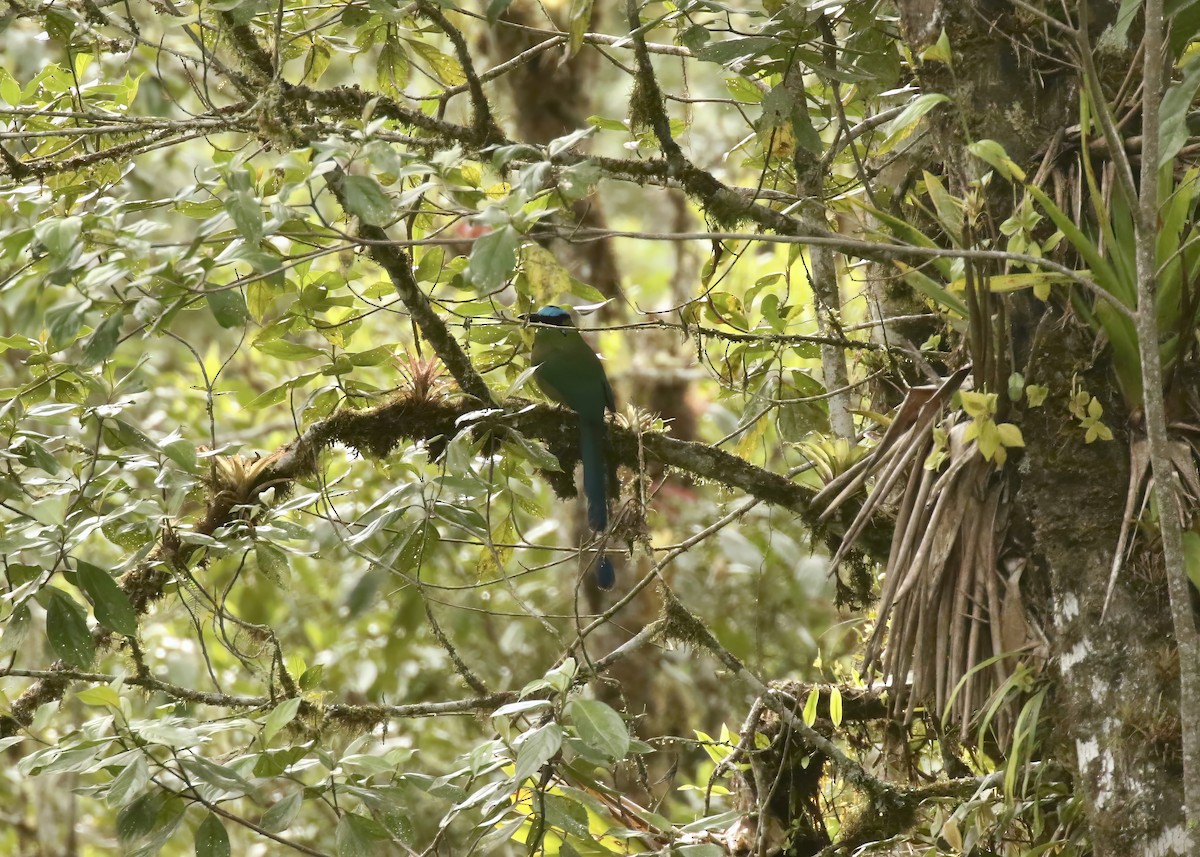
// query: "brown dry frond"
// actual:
[[940, 638], [1184, 455]]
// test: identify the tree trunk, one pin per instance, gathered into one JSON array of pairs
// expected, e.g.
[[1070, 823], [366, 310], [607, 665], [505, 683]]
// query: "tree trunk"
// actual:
[[1118, 678]]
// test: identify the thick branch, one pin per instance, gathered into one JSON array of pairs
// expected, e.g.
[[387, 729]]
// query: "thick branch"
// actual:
[[376, 433], [399, 270]]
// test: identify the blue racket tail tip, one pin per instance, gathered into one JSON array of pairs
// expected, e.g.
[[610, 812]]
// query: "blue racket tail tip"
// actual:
[[606, 575]]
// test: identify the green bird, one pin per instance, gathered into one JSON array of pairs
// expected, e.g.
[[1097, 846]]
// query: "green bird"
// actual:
[[569, 372]]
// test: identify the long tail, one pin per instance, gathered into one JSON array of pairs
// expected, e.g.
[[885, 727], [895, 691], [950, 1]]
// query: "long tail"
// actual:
[[593, 446]]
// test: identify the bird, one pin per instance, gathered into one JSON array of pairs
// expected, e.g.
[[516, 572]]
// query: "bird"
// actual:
[[569, 372]]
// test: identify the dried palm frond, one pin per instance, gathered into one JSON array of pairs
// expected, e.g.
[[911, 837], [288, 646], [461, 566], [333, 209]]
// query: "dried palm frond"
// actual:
[[940, 637], [1184, 453]]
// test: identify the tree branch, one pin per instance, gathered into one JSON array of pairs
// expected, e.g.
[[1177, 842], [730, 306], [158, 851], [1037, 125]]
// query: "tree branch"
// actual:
[[1167, 488], [486, 130], [399, 269]]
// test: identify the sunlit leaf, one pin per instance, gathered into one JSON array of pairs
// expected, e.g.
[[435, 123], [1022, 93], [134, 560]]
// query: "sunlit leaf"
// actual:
[[493, 258], [366, 200], [600, 727]]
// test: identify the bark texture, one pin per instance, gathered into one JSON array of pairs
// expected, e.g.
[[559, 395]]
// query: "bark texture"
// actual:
[[1118, 679]]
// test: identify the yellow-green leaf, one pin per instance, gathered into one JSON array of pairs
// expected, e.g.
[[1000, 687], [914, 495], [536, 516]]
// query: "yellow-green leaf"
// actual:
[[810, 707], [99, 696], [1010, 435]]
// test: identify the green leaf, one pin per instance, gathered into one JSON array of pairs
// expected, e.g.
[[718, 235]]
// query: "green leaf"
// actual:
[[835, 706], [139, 817], [445, 67], [129, 783], [1191, 556], [493, 258], [538, 747], [1016, 386], [1010, 435], [63, 323], [102, 696], [1002, 283], [211, 838], [245, 209], [59, 27], [316, 61], [103, 340], [170, 732], [228, 306], [282, 813], [810, 707], [743, 90], [312, 676], [15, 630], [271, 561], [727, 51], [988, 439], [60, 236], [546, 278], [706, 849], [433, 260], [66, 628], [493, 842], [109, 602], [366, 200], [496, 8], [281, 715], [600, 727], [994, 155], [580, 17], [282, 349], [977, 404], [1176, 103], [357, 835], [939, 51], [567, 813], [949, 208], [182, 452], [224, 780], [374, 357], [10, 90], [903, 125], [273, 396], [606, 124]]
